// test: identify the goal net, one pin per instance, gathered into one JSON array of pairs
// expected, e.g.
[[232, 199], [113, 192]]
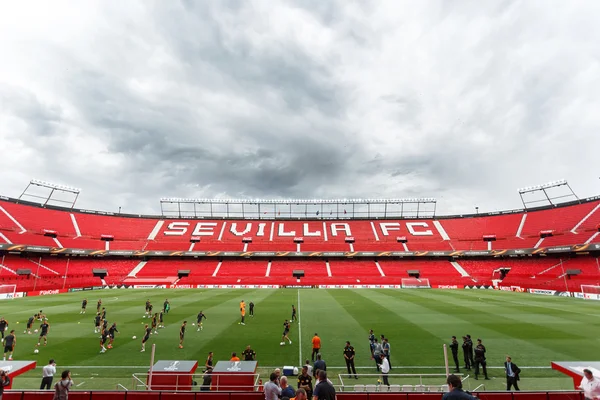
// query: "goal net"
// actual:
[[590, 292], [414, 283], [7, 291]]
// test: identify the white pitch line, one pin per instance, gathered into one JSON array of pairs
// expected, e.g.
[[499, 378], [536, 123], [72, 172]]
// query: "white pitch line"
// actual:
[[80, 384], [299, 333]]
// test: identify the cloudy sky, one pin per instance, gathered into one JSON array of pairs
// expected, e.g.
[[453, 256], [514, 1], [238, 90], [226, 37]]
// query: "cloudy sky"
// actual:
[[465, 101]]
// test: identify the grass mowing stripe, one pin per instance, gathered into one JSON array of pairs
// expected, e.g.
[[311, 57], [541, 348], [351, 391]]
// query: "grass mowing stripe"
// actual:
[[299, 332]]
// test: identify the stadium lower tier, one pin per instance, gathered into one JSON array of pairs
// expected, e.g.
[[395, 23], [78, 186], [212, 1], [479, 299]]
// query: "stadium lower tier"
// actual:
[[48, 273]]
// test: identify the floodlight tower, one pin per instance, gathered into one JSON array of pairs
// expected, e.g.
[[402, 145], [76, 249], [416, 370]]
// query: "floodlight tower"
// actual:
[[545, 188], [52, 188]]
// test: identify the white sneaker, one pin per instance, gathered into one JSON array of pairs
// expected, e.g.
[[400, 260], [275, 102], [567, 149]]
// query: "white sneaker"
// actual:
[[143, 350]]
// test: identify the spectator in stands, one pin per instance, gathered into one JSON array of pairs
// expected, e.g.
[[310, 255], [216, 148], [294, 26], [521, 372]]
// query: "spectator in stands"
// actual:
[[277, 372], [300, 395], [324, 390], [320, 365], [590, 385], [234, 357], [4, 381], [309, 367], [272, 389], [63, 386], [305, 382], [48, 375], [286, 389], [456, 392]]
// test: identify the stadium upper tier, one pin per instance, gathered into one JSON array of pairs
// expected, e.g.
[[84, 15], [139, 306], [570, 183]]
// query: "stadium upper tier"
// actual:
[[27, 224]]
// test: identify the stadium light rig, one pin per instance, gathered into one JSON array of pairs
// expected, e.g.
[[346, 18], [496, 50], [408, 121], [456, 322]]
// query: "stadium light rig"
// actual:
[[548, 185], [50, 185]]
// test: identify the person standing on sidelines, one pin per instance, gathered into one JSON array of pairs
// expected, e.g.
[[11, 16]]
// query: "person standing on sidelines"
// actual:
[[454, 348], [456, 392], [590, 385], [512, 374], [243, 313], [372, 340], [480, 360], [316, 346], [324, 390], [349, 354], [48, 375], [385, 346], [294, 317], [320, 365], [385, 369], [251, 309]]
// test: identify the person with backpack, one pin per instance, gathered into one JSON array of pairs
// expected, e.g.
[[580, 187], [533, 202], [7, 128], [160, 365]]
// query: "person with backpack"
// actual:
[[62, 387]]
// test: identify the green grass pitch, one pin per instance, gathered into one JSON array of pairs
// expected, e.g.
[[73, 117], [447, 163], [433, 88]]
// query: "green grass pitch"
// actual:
[[534, 330]]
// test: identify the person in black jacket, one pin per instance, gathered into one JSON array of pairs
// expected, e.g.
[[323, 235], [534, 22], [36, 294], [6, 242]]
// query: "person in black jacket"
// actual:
[[480, 359], [4, 381], [512, 374], [454, 348], [465, 348], [470, 351]]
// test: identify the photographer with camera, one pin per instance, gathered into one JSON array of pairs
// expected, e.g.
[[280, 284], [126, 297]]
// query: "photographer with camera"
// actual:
[[4, 381], [48, 375]]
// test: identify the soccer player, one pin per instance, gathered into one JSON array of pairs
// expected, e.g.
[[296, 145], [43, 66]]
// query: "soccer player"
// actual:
[[83, 306], [103, 339], [111, 334], [147, 309], [103, 313], [251, 309], [294, 314], [147, 332], [166, 306], [104, 325], [199, 319], [182, 334], [209, 361], [98, 305], [44, 327], [155, 322], [249, 354], [286, 331], [3, 326], [9, 345], [243, 312], [30, 324], [150, 310], [161, 323], [316, 346]]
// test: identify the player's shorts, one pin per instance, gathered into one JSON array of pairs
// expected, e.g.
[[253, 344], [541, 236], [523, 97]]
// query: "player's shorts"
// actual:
[[29, 326], [42, 334], [145, 339], [104, 339], [84, 307], [181, 337], [285, 333], [8, 349]]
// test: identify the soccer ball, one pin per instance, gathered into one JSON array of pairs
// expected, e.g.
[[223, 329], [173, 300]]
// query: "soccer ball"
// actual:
[[282, 343], [36, 351], [193, 324], [36, 331], [135, 337]]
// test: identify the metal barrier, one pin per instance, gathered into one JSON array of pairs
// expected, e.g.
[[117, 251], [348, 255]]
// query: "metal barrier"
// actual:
[[379, 387]]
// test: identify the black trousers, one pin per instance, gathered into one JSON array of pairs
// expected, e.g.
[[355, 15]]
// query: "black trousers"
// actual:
[[468, 364], [350, 366], [252, 311], [314, 353], [483, 367], [385, 379], [512, 381], [455, 357], [46, 383]]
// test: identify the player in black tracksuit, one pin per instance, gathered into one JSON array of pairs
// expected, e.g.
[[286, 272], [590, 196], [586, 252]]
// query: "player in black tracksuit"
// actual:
[[251, 309], [83, 306], [3, 326], [349, 358], [111, 334], [480, 359], [454, 348], [97, 320], [29, 324]]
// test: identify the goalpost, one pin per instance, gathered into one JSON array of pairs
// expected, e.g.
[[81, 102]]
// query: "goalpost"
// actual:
[[7, 291], [590, 292], [414, 283]]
